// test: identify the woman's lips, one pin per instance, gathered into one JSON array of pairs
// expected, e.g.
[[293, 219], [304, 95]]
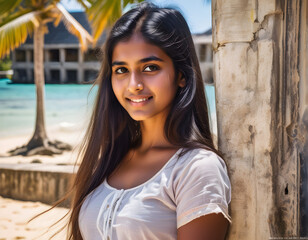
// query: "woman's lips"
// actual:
[[139, 101]]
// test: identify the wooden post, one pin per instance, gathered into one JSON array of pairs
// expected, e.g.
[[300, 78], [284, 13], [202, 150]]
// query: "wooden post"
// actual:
[[256, 70], [303, 116]]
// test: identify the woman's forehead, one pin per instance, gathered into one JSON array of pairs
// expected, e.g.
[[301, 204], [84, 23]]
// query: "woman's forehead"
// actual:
[[136, 48]]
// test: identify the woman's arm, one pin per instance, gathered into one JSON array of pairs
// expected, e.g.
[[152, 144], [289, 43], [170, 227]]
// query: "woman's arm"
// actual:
[[208, 227]]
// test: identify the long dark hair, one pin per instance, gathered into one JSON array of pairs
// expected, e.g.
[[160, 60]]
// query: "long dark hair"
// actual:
[[112, 132]]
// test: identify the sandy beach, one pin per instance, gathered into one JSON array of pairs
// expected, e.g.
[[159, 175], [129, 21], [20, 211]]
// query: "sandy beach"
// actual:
[[14, 217], [71, 134], [15, 214]]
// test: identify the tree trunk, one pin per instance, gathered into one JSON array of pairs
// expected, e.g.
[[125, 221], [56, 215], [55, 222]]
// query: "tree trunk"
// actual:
[[39, 137], [39, 143], [260, 62], [303, 116]]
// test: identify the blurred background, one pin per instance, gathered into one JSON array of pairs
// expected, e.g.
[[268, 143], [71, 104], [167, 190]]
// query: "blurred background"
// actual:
[[260, 53], [67, 71], [68, 96]]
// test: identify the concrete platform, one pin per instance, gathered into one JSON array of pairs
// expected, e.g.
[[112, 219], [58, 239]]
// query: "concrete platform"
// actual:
[[36, 182]]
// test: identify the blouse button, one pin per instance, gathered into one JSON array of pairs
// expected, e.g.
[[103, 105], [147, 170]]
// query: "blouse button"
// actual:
[[108, 206]]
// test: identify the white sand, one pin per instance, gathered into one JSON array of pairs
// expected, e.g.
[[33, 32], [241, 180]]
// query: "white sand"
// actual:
[[14, 214], [14, 217], [68, 134]]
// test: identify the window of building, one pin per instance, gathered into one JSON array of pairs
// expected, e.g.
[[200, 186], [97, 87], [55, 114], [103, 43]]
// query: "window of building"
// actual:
[[32, 74], [202, 53], [31, 55], [55, 76], [54, 55], [92, 55], [71, 76], [20, 75], [210, 59], [20, 55], [71, 55], [90, 75]]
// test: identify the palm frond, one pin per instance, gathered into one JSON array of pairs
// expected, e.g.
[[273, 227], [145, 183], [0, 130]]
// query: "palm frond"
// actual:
[[126, 2], [101, 14], [104, 13], [84, 3], [8, 6], [14, 32], [73, 26]]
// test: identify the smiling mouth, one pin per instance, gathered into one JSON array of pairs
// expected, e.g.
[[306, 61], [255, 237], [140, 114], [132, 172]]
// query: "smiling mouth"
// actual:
[[139, 100]]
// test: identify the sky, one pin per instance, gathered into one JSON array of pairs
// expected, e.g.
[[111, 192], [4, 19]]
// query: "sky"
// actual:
[[196, 12]]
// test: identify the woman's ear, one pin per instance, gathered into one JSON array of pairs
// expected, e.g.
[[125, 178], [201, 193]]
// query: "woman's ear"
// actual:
[[181, 80]]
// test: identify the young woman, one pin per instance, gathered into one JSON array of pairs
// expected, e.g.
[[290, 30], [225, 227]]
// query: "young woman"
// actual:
[[149, 167]]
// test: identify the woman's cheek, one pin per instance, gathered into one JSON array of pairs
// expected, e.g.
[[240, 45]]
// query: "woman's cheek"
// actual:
[[116, 89]]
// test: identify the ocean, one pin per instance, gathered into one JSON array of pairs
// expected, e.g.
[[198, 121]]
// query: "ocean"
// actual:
[[66, 106]]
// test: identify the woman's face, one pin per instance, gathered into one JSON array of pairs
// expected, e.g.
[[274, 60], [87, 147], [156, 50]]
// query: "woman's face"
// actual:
[[143, 79]]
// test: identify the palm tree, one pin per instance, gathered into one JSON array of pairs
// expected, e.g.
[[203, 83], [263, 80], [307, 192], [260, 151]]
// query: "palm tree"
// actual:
[[103, 13], [18, 20]]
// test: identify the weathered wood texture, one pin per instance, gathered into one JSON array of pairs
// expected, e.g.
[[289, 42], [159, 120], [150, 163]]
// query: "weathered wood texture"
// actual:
[[256, 70], [303, 115]]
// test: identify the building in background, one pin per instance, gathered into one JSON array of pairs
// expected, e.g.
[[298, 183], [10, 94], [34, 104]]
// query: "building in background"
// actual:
[[65, 63], [204, 50]]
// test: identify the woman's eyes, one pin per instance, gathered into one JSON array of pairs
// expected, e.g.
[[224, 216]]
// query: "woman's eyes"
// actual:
[[149, 68], [121, 70]]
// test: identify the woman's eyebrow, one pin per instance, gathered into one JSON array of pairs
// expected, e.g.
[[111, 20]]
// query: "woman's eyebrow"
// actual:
[[118, 63], [151, 58], [143, 60]]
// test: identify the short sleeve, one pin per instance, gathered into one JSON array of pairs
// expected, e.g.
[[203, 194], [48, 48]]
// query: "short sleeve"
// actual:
[[202, 187]]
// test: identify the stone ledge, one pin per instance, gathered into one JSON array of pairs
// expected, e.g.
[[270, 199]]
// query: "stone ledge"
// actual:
[[39, 167], [36, 182]]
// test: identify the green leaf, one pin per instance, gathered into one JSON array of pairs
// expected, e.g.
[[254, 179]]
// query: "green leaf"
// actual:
[[103, 13], [125, 2], [15, 32], [73, 26], [8, 6], [84, 3]]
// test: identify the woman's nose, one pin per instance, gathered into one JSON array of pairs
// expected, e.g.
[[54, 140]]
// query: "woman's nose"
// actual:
[[135, 83]]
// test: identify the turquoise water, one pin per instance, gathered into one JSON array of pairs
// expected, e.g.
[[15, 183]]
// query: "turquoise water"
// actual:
[[70, 104], [64, 104]]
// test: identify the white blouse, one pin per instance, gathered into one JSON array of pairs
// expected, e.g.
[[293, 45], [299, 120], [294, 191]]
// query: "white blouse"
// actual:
[[186, 188]]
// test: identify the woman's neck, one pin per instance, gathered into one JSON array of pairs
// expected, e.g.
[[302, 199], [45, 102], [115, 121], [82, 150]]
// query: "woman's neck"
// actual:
[[153, 135]]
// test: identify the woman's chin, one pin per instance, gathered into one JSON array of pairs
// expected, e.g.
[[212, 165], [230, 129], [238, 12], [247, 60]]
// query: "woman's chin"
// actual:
[[138, 118]]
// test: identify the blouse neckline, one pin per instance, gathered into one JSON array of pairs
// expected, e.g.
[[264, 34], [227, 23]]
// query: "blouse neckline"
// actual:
[[147, 181]]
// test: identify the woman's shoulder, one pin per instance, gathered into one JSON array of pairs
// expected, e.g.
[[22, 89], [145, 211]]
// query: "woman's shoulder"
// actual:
[[201, 155], [197, 162]]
